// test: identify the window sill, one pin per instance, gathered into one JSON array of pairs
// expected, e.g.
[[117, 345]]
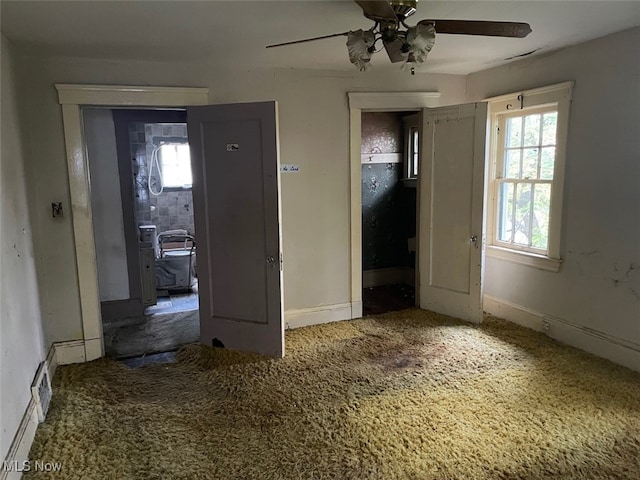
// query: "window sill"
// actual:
[[410, 182], [177, 189], [525, 258]]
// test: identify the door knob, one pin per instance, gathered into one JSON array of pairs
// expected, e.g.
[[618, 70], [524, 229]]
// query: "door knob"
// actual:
[[474, 240]]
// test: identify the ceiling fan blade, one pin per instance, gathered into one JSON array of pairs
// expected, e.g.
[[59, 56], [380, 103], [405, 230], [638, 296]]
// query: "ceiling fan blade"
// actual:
[[480, 27], [394, 50], [377, 10], [344, 34]]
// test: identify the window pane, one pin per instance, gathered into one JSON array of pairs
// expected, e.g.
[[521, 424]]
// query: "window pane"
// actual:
[[414, 151], [547, 160], [532, 130], [175, 164], [540, 227], [505, 211], [184, 159], [512, 163], [549, 128], [522, 226], [530, 163], [524, 174], [514, 132]]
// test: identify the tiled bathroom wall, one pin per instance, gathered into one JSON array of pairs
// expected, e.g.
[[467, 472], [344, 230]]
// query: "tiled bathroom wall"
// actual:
[[173, 208]]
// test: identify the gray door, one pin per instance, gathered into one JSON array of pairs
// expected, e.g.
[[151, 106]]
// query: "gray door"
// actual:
[[236, 194]]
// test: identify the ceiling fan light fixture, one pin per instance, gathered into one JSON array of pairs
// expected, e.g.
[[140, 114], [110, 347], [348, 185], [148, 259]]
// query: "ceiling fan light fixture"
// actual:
[[420, 40], [404, 43], [359, 46]]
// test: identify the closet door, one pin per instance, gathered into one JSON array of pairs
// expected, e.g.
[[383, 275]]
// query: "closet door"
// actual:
[[450, 198]]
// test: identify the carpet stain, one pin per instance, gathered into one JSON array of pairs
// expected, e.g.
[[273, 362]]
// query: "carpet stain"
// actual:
[[407, 395]]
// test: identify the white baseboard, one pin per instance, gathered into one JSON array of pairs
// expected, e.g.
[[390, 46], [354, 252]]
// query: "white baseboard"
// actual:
[[93, 349], [620, 351], [388, 276], [356, 309], [305, 317], [52, 361], [19, 451], [70, 352]]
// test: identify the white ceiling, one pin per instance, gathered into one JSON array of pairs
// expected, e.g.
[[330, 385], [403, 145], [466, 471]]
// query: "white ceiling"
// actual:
[[234, 33]]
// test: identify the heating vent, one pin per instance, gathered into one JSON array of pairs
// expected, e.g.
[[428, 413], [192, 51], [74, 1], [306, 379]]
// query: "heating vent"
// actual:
[[41, 390]]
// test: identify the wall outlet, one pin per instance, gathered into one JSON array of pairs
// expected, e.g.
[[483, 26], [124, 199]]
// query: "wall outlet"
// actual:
[[546, 326]]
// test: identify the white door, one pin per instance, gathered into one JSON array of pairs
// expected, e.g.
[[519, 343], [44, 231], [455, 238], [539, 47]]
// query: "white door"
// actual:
[[236, 194], [450, 198]]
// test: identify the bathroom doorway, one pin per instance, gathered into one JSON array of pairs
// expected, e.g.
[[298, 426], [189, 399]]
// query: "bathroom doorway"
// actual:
[[389, 161], [144, 229]]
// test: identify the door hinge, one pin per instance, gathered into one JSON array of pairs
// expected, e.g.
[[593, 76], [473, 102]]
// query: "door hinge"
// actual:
[[281, 262]]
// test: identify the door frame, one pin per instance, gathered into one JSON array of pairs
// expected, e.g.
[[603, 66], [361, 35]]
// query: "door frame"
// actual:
[[371, 102], [71, 99]]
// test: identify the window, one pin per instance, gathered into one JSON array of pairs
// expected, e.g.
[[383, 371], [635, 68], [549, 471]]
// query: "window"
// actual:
[[175, 165], [412, 145], [528, 141]]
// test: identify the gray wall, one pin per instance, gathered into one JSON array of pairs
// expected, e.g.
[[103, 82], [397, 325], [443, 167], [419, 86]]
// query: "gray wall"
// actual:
[[22, 345], [106, 204], [598, 285]]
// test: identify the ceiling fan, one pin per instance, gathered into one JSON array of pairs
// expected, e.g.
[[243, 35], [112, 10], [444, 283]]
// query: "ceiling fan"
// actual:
[[411, 45]]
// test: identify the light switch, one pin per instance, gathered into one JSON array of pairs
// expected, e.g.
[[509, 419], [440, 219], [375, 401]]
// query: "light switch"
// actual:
[[56, 210]]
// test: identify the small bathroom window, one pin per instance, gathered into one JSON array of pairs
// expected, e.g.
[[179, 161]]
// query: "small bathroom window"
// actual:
[[175, 164]]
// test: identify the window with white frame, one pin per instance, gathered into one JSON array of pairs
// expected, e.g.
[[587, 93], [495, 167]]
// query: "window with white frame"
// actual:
[[412, 145], [175, 165], [528, 143]]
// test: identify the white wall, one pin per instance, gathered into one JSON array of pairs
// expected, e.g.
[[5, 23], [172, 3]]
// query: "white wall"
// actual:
[[314, 123], [21, 337], [598, 286], [106, 204]]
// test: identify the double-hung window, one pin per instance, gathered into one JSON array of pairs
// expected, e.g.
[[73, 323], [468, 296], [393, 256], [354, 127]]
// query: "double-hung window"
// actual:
[[528, 143]]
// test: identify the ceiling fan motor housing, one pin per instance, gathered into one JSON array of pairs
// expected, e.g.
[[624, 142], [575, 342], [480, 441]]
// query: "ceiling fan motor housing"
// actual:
[[403, 8], [389, 31]]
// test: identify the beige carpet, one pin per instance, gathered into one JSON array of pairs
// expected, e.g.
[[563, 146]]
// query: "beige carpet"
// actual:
[[407, 395]]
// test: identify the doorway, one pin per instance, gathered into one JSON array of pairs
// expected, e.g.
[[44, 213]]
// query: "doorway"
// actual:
[[143, 228], [72, 99], [449, 226], [389, 150], [371, 102]]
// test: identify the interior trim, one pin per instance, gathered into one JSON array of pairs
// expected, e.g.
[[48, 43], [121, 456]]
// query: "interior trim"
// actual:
[[23, 439], [305, 317], [127, 95], [618, 350], [71, 98], [371, 101], [393, 101], [524, 258]]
